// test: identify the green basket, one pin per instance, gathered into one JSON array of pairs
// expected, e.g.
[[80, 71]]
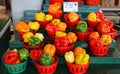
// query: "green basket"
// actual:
[[16, 68]]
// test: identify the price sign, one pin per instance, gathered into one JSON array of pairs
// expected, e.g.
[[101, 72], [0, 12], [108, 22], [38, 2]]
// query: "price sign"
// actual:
[[70, 6]]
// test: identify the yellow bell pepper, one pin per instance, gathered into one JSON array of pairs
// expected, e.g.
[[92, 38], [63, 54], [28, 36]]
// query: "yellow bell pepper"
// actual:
[[82, 59], [40, 16], [39, 35], [48, 17], [27, 36], [106, 39], [60, 34], [92, 16], [69, 57], [61, 26], [56, 21], [34, 25]]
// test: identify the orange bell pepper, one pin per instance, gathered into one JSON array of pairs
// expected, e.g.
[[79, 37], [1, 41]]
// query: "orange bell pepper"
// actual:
[[61, 26], [73, 16], [72, 38], [79, 50], [94, 35], [49, 49]]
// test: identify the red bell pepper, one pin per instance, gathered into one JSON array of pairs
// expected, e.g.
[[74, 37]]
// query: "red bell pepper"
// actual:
[[96, 42], [10, 57], [51, 28], [103, 27], [100, 15], [61, 41], [35, 54]]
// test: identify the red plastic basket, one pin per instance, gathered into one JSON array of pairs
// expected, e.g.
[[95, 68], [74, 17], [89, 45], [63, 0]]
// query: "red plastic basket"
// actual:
[[79, 2], [47, 69], [112, 34], [70, 25], [99, 51], [92, 2], [77, 69], [51, 35], [54, 1], [43, 24], [34, 47], [92, 24], [56, 15], [62, 50]]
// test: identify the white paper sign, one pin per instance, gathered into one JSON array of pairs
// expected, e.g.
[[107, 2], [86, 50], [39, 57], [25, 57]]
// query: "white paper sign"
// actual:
[[70, 6]]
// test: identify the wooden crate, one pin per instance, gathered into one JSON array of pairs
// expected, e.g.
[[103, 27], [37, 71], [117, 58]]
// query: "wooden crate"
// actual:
[[119, 3], [107, 3]]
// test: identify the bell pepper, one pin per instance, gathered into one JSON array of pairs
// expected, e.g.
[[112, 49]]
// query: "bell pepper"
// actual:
[[96, 42], [73, 16], [82, 59], [22, 27], [10, 57], [92, 16], [61, 26], [79, 50], [40, 16], [23, 54], [61, 42], [40, 36], [81, 27], [34, 25], [18, 61], [56, 21], [51, 28], [69, 57], [35, 54], [27, 36], [106, 39], [72, 38], [94, 35], [46, 59], [48, 17], [34, 41], [49, 49], [100, 15], [103, 28], [108, 23], [60, 34]]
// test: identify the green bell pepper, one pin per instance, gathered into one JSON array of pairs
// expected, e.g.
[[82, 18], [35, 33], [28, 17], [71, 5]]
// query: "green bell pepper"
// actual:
[[34, 41], [23, 54], [82, 26], [46, 59]]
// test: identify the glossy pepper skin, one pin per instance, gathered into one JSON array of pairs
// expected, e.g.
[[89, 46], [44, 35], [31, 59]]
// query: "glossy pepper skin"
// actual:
[[56, 21], [34, 25], [106, 39], [23, 54], [51, 28], [81, 27], [35, 54], [79, 50], [34, 41], [49, 49], [60, 34], [69, 57], [40, 16], [48, 17], [82, 59], [10, 57], [46, 59], [62, 26], [104, 27], [100, 15], [96, 42], [72, 38], [27, 36], [61, 42], [39, 35], [94, 35]]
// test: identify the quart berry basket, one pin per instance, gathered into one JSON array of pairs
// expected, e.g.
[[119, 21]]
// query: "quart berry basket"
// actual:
[[92, 24], [51, 35], [34, 47], [62, 50], [43, 23], [70, 25], [99, 51], [54, 1], [77, 69], [79, 2], [16, 68], [56, 15], [47, 69], [112, 34], [92, 2]]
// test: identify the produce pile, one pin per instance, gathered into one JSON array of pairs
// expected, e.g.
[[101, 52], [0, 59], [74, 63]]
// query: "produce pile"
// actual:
[[97, 31]]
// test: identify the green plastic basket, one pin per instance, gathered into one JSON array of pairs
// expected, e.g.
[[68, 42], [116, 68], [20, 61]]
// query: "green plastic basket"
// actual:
[[16, 68]]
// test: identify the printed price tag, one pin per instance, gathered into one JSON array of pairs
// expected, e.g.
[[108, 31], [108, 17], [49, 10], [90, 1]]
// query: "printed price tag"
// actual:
[[70, 6]]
